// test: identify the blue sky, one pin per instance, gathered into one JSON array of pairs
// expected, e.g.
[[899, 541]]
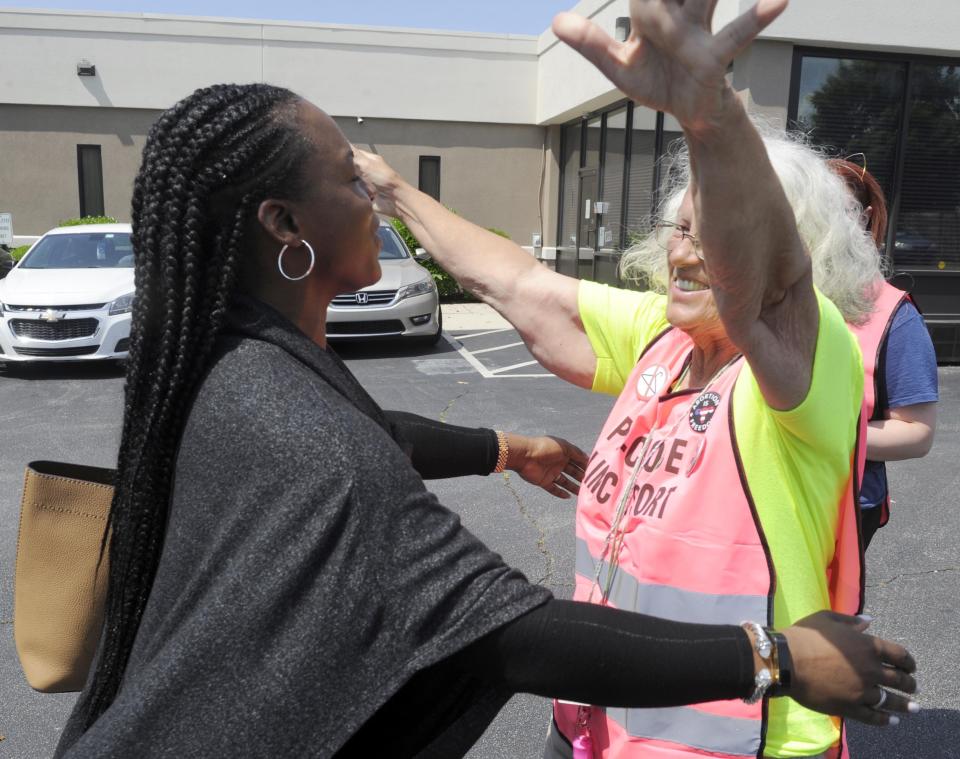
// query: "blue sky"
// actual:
[[499, 16]]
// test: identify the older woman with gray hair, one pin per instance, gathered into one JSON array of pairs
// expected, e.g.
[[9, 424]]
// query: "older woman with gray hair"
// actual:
[[721, 487]]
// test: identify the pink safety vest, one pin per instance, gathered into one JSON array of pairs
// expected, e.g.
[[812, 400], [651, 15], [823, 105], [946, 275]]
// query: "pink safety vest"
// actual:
[[872, 337], [693, 548]]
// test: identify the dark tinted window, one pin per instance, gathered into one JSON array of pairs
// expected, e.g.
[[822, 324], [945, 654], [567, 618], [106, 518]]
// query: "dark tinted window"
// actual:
[[854, 106], [928, 223], [90, 176], [614, 157], [93, 250], [393, 247], [571, 186], [430, 175]]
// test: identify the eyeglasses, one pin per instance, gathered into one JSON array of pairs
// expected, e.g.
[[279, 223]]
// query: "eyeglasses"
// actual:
[[668, 235]]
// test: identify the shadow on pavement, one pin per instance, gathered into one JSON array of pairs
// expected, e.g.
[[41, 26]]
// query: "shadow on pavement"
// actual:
[[70, 370], [360, 350], [931, 734]]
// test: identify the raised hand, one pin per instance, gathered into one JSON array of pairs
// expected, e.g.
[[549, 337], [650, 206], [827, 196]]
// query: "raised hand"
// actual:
[[672, 61], [378, 175]]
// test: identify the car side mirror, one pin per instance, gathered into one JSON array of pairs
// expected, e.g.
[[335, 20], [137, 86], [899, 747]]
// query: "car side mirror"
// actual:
[[421, 255]]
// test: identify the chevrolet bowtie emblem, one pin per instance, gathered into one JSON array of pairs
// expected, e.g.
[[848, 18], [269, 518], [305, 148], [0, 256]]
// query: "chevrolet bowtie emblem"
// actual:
[[50, 316]]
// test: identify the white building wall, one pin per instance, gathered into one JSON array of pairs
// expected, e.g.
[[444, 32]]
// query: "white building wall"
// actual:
[[146, 61]]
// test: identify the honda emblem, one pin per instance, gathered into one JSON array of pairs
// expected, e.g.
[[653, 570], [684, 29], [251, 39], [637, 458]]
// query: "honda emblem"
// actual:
[[362, 299]]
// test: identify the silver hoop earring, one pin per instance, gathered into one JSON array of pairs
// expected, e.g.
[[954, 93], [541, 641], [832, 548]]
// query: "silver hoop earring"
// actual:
[[313, 260]]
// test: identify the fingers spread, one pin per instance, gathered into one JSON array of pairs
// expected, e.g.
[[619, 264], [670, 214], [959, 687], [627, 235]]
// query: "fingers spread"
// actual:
[[739, 33], [897, 678], [896, 655], [897, 703], [554, 490], [868, 716], [591, 42], [567, 484]]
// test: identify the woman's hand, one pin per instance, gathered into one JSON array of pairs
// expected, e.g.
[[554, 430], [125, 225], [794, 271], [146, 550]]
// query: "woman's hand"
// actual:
[[380, 177], [549, 462], [838, 669], [672, 61]]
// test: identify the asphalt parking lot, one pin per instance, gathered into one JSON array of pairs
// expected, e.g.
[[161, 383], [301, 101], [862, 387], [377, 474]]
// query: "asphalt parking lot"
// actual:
[[484, 376]]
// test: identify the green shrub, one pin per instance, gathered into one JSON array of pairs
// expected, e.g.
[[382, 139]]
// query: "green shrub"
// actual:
[[447, 286], [19, 252], [87, 220]]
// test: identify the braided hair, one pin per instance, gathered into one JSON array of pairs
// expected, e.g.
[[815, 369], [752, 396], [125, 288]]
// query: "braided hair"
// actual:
[[208, 163]]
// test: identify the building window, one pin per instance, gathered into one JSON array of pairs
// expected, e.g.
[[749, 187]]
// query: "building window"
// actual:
[[611, 158], [430, 175], [903, 114], [90, 179]]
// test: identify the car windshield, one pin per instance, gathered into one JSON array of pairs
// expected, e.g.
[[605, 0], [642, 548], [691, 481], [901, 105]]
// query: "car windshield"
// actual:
[[392, 248], [83, 250]]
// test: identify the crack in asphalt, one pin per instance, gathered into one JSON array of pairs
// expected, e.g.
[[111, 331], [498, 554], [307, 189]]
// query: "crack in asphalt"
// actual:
[[541, 535], [446, 410], [883, 583]]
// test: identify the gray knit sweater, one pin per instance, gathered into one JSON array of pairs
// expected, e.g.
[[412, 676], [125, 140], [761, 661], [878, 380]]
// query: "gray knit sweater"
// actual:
[[306, 574]]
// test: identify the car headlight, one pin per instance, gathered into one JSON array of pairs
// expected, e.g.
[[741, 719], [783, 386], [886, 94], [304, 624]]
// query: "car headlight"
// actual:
[[122, 305], [417, 288]]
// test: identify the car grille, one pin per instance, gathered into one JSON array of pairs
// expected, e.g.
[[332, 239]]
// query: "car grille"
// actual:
[[69, 329], [41, 309], [374, 298], [85, 350], [382, 327]]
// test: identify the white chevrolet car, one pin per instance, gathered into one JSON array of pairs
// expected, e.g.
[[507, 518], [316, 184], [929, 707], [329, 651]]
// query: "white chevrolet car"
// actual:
[[69, 298], [403, 303]]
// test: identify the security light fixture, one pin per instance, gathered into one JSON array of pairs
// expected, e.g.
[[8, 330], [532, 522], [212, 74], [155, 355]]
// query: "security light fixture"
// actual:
[[85, 68], [359, 119], [622, 28]]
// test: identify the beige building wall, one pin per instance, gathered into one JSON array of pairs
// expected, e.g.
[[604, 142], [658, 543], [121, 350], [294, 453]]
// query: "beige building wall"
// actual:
[[489, 172], [38, 160]]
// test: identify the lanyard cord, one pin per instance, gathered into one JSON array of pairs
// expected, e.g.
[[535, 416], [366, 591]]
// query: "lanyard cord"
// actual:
[[614, 540]]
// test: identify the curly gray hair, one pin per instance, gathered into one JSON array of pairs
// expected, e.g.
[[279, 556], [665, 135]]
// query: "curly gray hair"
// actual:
[[847, 267]]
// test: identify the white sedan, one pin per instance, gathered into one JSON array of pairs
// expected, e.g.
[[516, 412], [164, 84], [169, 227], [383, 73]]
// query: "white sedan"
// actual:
[[69, 298], [403, 303]]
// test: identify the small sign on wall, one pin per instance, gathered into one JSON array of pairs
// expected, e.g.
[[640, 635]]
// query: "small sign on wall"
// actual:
[[6, 229]]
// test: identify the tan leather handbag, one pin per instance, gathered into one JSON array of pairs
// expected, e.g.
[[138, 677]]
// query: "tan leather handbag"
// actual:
[[60, 583]]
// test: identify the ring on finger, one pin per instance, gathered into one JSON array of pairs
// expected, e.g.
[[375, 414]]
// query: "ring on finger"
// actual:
[[883, 699]]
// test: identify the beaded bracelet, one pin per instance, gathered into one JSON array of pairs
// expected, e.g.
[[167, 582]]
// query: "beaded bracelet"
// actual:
[[503, 451]]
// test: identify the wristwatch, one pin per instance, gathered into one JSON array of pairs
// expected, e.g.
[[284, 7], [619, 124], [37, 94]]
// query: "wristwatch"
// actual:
[[782, 662]]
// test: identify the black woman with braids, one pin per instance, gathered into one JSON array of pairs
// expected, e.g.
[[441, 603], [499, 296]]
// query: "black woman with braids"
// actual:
[[281, 583]]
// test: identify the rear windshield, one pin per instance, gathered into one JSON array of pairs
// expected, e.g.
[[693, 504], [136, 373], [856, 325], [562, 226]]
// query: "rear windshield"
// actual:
[[88, 250], [393, 247]]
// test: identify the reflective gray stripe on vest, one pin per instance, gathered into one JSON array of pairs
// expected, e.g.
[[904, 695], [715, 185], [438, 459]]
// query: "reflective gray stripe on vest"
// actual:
[[689, 727], [671, 603]]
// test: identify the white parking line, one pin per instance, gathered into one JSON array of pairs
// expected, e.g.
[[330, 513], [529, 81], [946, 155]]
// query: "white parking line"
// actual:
[[515, 366], [484, 371], [497, 348], [481, 334]]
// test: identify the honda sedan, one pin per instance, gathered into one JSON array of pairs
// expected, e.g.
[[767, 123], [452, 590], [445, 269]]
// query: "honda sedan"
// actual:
[[403, 303]]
